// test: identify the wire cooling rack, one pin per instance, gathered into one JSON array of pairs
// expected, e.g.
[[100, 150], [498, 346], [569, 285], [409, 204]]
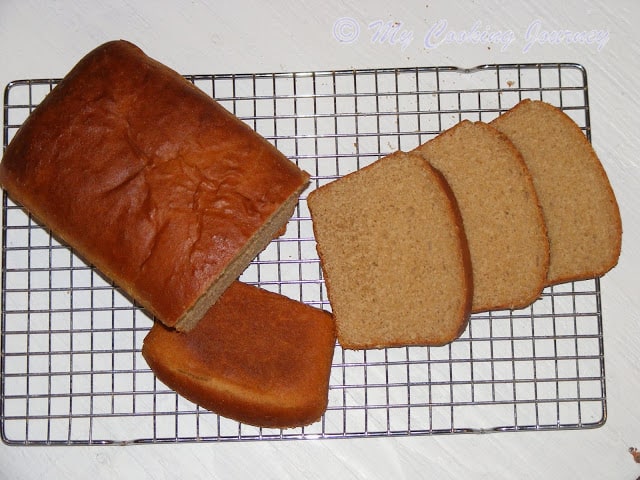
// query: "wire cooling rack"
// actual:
[[72, 372]]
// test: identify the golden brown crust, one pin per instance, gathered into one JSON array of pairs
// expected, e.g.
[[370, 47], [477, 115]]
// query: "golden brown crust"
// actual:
[[148, 178], [580, 208], [256, 357]]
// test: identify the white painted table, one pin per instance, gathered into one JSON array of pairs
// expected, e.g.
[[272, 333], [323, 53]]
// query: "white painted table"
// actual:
[[44, 39]]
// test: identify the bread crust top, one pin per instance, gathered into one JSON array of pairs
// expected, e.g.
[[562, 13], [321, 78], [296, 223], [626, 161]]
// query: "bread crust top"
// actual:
[[146, 176]]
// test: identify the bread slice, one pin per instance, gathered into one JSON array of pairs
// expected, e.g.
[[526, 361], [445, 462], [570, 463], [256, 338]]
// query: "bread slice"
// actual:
[[579, 206], [149, 179], [256, 357], [393, 254], [500, 212]]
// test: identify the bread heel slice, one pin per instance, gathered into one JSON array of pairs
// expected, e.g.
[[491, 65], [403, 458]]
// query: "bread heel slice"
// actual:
[[256, 357], [394, 255]]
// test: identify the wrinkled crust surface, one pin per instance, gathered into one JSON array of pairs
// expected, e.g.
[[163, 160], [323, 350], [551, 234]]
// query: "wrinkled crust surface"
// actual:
[[147, 177]]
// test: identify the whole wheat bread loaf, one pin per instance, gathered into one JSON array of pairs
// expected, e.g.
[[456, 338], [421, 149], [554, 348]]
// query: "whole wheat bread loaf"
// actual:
[[149, 179]]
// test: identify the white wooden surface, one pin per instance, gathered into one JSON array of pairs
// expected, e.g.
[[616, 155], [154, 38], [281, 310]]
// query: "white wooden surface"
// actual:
[[45, 39]]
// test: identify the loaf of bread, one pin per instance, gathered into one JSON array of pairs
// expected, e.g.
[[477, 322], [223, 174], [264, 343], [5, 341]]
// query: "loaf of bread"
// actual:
[[502, 218], [256, 357], [394, 255], [579, 206], [150, 180]]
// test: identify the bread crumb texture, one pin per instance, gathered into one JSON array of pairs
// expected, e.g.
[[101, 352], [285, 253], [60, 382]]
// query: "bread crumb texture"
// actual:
[[394, 255], [500, 211], [580, 209]]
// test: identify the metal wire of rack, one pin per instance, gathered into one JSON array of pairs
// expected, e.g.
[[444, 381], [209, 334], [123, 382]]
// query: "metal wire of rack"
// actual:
[[72, 372]]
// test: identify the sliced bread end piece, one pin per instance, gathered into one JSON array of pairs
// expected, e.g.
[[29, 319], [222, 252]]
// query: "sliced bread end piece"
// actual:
[[256, 356]]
